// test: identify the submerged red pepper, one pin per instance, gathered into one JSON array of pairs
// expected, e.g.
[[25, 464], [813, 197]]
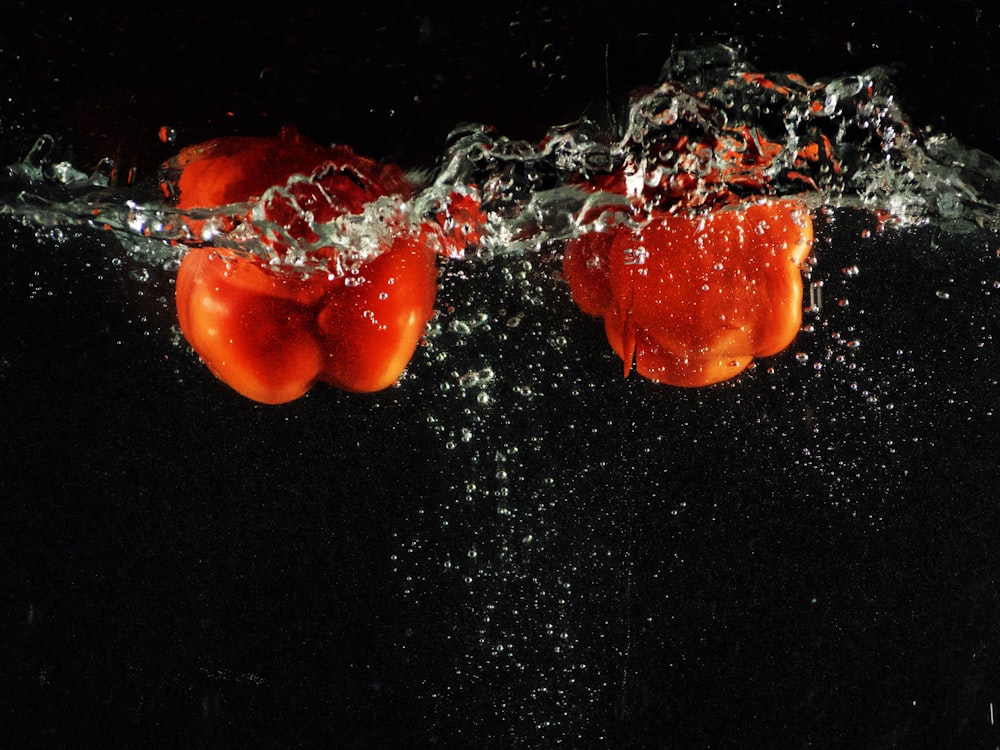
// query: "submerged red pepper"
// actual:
[[271, 333], [692, 298]]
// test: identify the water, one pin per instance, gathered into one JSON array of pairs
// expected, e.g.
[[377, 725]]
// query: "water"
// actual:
[[730, 131], [595, 554]]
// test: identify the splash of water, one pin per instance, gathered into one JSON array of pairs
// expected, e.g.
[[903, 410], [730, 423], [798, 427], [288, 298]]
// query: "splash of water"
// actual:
[[711, 132]]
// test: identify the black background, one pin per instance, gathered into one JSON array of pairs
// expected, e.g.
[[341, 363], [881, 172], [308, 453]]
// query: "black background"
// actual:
[[802, 558]]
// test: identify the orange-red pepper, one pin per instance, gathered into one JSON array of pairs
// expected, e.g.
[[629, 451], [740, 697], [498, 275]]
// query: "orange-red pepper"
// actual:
[[271, 333], [692, 298]]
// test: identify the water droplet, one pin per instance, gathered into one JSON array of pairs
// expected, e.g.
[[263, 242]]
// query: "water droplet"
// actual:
[[167, 134]]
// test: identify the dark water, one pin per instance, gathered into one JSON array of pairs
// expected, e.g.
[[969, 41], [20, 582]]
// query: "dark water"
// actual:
[[516, 547]]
